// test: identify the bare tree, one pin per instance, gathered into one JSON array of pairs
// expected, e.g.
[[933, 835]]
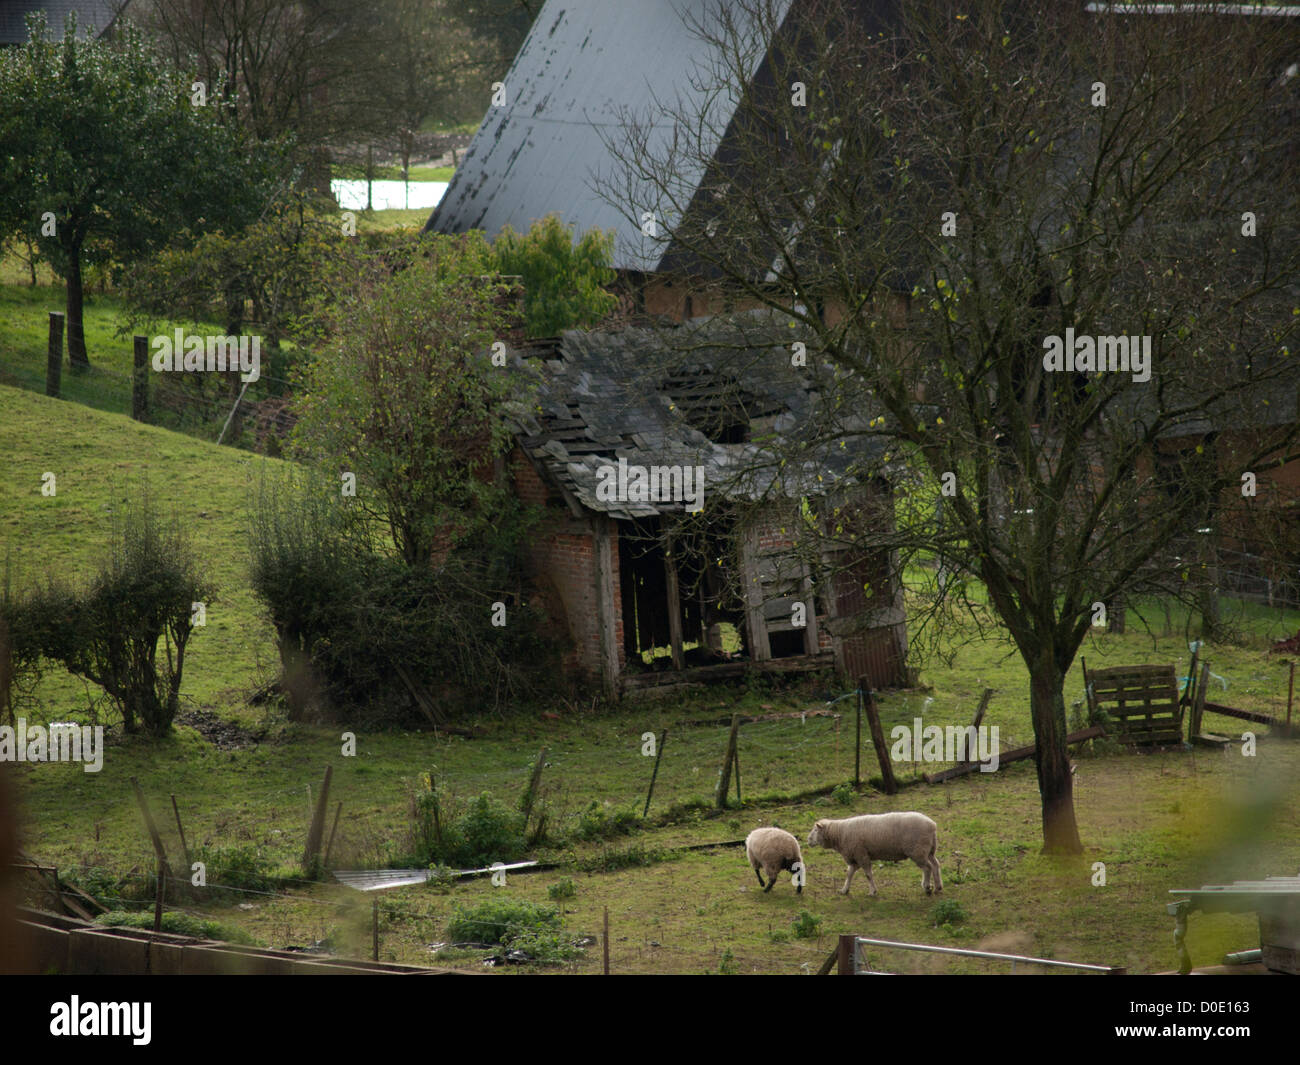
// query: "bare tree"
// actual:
[[1046, 257]]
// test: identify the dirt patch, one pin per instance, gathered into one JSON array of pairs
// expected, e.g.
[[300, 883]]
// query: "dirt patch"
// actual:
[[224, 735]]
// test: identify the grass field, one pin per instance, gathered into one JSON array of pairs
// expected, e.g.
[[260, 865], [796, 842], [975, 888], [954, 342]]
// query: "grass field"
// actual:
[[1157, 821]]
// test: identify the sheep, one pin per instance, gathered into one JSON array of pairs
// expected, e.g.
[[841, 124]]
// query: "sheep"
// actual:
[[775, 849], [882, 837]]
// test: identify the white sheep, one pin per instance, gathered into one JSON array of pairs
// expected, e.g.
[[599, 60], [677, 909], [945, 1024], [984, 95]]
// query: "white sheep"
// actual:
[[774, 849], [883, 838]]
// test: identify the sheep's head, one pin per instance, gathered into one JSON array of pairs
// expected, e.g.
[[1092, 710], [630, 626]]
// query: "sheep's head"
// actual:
[[817, 837]]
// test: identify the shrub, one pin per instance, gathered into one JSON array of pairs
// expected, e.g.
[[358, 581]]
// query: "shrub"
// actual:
[[948, 912], [501, 919], [843, 794], [561, 889], [483, 831], [806, 925], [230, 870], [490, 832], [109, 632], [383, 642], [596, 822], [727, 964]]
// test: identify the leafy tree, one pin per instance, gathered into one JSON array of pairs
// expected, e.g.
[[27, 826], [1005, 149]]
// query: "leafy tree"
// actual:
[[934, 200], [402, 392], [107, 159], [564, 283]]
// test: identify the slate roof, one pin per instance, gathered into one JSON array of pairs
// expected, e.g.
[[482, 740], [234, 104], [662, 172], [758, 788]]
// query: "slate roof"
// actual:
[[96, 15], [583, 61], [713, 393]]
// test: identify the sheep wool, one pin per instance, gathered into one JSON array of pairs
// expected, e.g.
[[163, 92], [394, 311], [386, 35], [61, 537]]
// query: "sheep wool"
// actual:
[[771, 850], [885, 838]]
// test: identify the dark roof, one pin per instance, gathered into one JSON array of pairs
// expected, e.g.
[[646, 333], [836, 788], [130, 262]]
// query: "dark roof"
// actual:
[[94, 17], [583, 63], [713, 393]]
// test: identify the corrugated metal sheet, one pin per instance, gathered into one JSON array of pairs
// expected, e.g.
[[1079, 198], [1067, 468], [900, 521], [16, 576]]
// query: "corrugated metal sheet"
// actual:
[[583, 63], [93, 17]]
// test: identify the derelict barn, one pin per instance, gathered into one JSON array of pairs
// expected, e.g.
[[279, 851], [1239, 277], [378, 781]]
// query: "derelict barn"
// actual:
[[675, 547]]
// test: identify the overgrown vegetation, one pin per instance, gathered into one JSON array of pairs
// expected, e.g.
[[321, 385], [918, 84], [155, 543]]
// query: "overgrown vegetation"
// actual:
[[181, 924], [149, 588]]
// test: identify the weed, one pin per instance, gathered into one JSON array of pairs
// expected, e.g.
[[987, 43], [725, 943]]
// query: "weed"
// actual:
[[806, 925]]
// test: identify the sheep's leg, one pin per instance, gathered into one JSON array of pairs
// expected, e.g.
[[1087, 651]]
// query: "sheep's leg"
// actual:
[[866, 868], [924, 863], [853, 868], [760, 878], [771, 879], [938, 880]]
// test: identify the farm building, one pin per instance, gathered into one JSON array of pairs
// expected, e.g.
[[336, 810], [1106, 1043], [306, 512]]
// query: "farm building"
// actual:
[[703, 564], [95, 18]]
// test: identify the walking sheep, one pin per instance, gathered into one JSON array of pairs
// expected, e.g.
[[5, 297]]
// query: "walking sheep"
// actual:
[[775, 849], [883, 838]]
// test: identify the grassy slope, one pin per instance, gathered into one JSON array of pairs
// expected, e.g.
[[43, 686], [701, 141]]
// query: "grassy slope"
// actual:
[[1157, 821]]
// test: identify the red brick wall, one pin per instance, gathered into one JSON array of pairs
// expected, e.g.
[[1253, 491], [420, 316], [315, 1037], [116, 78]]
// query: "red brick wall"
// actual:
[[563, 569]]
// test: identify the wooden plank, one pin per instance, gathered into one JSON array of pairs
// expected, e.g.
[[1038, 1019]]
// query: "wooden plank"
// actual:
[[674, 606], [604, 565], [1017, 755], [760, 650]]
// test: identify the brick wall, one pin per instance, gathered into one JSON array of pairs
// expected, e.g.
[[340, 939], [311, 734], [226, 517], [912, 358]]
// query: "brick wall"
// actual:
[[562, 567]]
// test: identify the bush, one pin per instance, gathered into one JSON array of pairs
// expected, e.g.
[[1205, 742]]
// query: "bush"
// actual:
[[948, 912], [609, 861], [596, 822], [484, 831], [109, 632], [501, 920], [561, 889], [230, 870], [806, 925], [843, 794], [370, 639]]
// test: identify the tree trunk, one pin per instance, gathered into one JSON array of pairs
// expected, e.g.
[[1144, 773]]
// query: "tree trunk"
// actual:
[[76, 332], [1115, 615], [1055, 784]]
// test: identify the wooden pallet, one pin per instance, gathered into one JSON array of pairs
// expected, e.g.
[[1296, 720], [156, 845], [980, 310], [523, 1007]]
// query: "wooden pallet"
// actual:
[[1141, 703]]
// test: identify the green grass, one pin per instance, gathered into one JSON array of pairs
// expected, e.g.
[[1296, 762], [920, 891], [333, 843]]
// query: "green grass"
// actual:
[[1157, 821], [357, 172]]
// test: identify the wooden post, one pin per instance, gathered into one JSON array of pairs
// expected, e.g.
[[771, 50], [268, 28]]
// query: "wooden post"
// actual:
[[847, 944], [185, 847], [674, 606], [979, 717], [857, 741], [1290, 690], [534, 782], [878, 740], [605, 938], [659, 753], [728, 760], [1198, 703], [163, 870], [140, 380], [334, 828], [374, 929], [54, 355], [149, 823], [735, 761], [317, 830]]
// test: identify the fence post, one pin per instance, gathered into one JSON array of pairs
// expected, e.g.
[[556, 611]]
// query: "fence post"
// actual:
[[847, 944], [54, 355], [654, 773], [374, 929], [724, 778], [857, 743], [878, 740], [605, 938], [1290, 691], [140, 380], [317, 830]]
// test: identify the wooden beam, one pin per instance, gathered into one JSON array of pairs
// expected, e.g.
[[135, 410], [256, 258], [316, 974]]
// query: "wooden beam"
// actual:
[[604, 566], [810, 637], [878, 738], [760, 650], [1017, 755], [674, 604]]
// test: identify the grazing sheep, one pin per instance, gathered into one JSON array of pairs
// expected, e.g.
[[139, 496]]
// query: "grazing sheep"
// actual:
[[774, 849], [884, 838]]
